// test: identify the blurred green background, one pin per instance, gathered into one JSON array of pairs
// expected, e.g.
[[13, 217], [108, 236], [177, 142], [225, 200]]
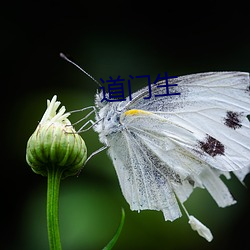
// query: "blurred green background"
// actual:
[[107, 39]]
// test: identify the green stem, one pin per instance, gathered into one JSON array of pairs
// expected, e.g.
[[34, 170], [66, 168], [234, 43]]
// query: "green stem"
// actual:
[[54, 177]]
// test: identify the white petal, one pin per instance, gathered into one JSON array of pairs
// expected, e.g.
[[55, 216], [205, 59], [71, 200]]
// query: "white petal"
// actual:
[[50, 109], [200, 228], [50, 114]]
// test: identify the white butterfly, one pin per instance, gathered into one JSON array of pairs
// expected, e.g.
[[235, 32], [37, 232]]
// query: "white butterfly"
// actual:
[[164, 147]]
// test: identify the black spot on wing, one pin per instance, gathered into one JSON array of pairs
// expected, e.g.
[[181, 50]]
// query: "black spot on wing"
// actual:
[[233, 119], [212, 146]]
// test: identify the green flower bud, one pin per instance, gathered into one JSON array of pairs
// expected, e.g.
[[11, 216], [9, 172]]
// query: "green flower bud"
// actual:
[[55, 144]]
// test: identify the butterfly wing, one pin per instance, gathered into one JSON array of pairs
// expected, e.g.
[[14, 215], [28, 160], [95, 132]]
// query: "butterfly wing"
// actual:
[[157, 166], [214, 107], [141, 183], [172, 144]]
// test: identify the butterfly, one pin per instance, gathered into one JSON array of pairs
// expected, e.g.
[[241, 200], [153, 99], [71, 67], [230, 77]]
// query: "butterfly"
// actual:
[[164, 147]]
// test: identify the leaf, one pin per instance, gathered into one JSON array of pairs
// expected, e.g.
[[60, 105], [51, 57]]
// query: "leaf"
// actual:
[[117, 234]]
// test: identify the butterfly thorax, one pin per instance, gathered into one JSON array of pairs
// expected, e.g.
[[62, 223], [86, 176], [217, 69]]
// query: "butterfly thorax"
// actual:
[[108, 121]]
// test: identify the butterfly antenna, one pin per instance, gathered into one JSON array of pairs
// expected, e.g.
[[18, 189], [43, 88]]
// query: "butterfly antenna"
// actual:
[[68, 60]]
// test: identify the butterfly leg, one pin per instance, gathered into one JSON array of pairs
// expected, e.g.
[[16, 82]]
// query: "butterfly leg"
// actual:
[[91, 155], [96, 152], [86, 116], [82, 128]]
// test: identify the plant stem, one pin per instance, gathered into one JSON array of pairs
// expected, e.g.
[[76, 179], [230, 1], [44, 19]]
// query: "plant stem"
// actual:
[[54, 177]]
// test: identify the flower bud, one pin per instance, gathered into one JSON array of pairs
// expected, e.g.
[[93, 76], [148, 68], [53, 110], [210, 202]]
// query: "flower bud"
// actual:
[[55, 144]]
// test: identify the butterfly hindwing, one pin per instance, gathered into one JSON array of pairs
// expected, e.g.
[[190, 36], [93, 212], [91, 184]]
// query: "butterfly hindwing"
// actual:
[[173, 150]]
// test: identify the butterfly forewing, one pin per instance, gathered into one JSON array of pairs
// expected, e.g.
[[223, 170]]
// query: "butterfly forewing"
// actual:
[[213, 106]]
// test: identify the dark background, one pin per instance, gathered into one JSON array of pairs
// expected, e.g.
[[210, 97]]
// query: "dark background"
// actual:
[[107, 39]]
